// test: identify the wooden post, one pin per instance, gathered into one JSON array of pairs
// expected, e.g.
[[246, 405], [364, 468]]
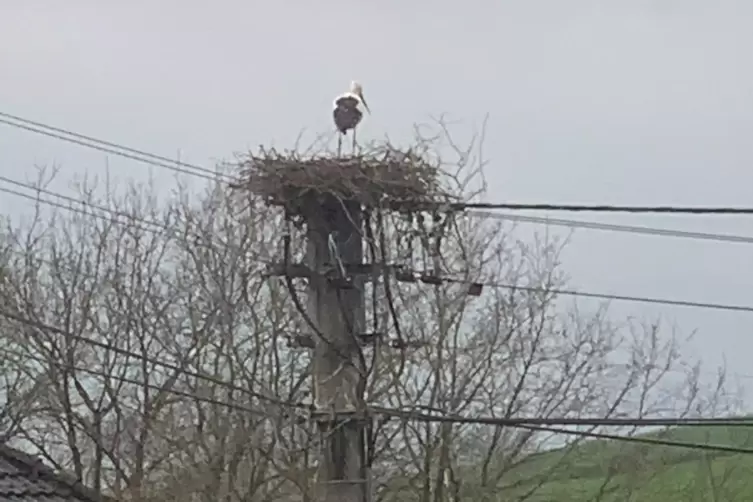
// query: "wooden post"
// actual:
[[334, 235]]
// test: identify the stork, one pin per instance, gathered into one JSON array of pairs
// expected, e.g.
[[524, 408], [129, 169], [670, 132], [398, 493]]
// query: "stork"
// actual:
[[346, 113]]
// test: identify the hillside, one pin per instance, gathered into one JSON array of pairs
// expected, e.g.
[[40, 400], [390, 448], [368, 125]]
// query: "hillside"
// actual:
[[650, 473]]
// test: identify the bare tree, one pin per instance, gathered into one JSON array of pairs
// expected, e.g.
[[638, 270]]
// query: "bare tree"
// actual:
[[518, 350], [152, 357], [137, 318]]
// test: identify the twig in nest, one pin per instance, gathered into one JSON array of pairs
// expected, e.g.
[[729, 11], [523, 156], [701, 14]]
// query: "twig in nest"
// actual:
[[383, 176]]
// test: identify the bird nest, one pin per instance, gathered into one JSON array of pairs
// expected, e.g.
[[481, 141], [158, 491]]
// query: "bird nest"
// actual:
[[383, 177]]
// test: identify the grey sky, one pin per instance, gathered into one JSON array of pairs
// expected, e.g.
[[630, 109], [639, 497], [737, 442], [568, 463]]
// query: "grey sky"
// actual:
[[625, 102]]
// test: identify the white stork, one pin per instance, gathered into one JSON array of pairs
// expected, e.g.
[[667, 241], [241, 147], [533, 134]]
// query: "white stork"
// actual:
[[346, 112]]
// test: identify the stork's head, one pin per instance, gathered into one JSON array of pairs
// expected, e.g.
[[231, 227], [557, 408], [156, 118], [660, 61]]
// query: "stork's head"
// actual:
[[356, 89]]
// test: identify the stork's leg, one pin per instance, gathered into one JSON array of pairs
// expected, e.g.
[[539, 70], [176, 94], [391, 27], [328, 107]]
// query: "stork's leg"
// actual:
[[354, 141], [339, 142]]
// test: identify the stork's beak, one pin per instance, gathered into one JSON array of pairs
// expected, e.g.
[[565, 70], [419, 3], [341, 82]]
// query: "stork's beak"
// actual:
[[360, 95]]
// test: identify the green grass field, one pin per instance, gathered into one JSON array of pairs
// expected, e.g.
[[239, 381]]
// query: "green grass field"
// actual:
[[644, 473], [619, 471]]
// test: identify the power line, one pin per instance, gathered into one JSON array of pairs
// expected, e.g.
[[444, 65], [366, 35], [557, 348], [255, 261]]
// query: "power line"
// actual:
[[604, 208], [142, 357], [531, 424], [628, 298], [155, 231], [107, 143], [151, 226], [58, 204], [431, 279], [507, 286], [554, 291], [561, 421], [74, 210], [140, 383], [172, 165], [74, 200], [423, 417], [116, 149], [524, 423], [410, 415], [634, 229], [196, 170], [640, 439]]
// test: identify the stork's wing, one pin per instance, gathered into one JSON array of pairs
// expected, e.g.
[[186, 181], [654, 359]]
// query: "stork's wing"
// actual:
[[346, 118]]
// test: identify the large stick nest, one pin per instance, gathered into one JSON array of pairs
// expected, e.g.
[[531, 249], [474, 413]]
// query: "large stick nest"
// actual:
[[382, 177]]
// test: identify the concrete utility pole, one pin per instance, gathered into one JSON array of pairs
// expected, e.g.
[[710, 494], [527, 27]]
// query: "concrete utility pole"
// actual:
[[329, 196], [335, 242]]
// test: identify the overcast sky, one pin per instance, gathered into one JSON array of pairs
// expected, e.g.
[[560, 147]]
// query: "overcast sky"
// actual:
[[619, 102]]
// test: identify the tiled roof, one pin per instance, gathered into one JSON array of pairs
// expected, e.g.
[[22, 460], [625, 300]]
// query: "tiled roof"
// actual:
[[24, 478]]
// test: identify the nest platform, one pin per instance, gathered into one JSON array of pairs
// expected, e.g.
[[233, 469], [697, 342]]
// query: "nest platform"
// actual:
[[387, 178]]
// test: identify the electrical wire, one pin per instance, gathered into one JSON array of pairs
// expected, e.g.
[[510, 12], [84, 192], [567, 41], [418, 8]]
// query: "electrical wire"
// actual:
[[106, 143], [559, 421], [600, 208], [627, 298], [611, 227], [82, 212], [532, 424], [409, 415], [116, 217], [142, 156], [171, 163], [163, 228], [196, 170], [72, 209], [524, 423], [430, 278], [113, 148], [140, 383], [527, 424], [74, 200], [640, 440], [164, 364], [585, 294]]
